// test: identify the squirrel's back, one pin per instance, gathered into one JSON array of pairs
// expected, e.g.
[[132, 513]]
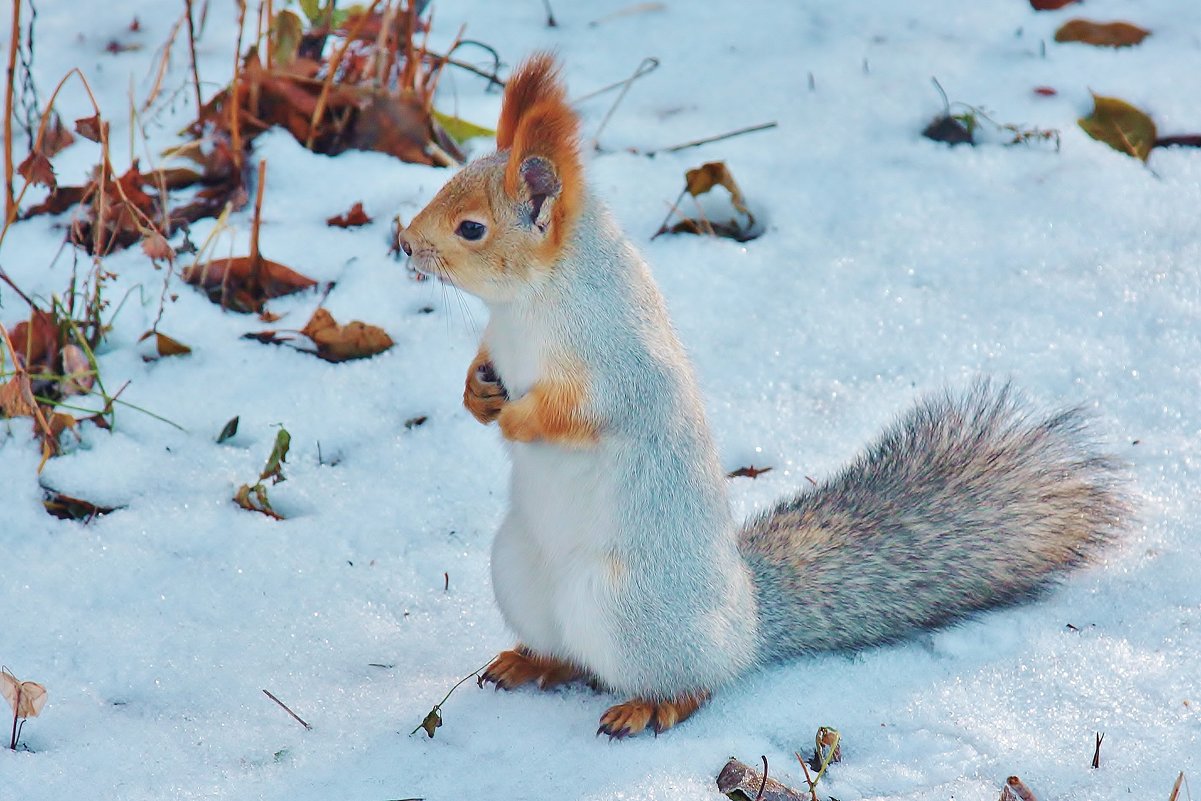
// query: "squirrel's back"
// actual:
[[964, 504]]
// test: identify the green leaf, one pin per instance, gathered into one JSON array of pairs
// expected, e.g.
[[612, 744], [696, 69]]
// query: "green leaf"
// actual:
[[279, 455], [286, 32], [311, 9], [1121, 126], [460, 129]]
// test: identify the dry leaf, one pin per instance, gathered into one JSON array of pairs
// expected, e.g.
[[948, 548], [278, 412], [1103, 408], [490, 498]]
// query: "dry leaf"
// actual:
[[701, 180], [1121, 126], [26, 697], [36, 169], [1045, 91], [338, 343], [748, 472], [237, 285], [1050, 5], [66, 507], [356, 216], [254, 499], [156, 247], [56, 138], [92, 128], [1101, 34], [16, 397], [36, 342], [164, 345], [948, 129]]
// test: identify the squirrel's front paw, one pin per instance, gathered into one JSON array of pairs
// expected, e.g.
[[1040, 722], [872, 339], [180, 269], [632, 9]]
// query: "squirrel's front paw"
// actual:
[[484, 395]]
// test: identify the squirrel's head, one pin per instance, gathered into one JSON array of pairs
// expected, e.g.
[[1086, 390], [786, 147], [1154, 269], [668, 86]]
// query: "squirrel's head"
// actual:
[[499, 226]]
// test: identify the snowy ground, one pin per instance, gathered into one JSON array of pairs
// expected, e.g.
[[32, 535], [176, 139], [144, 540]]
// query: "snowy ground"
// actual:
[[892, 265]]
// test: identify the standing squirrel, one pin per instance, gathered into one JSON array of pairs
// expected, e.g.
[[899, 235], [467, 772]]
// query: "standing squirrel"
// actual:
[[618, 561]]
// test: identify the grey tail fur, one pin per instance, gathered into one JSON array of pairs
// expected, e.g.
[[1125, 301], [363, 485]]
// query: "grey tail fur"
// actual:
[[964, 504]]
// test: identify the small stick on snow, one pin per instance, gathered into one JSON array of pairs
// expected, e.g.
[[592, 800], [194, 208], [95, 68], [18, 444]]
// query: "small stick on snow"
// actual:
[[284, 707], [710, 139], [1097, 751], [648, 64], [192, 52]]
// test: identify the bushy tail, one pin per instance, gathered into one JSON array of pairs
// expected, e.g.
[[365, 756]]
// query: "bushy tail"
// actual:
[[962, 505]]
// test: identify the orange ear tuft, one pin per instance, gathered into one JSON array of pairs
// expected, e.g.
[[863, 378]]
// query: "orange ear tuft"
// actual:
[[537, 123], [534, 80]]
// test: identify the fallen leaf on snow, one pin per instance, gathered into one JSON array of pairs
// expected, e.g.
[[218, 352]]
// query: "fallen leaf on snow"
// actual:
[[66, 507], [1121, 126], [339, 343], [1050, 5], [701, 180], [355, 217], [244, 284], [16, 397], [164, 346], [748, 472], [1101, 34]]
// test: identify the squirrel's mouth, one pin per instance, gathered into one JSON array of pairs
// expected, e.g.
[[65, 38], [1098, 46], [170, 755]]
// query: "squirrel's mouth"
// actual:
[[427, 264]]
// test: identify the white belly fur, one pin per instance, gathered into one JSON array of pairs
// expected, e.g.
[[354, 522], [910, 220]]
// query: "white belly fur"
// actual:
[[553, 571]]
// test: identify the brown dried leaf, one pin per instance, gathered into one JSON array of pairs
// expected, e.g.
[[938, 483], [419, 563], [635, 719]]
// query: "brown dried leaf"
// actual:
[[1050, 5], [36, 169], [16, 397], [1121, 126], [56, 138], [254, 499], [748, 472], [1101, 34], [338, 343], [701, 180], [164, 345], [66, 507], [36, 342], [355, 217], [26, 697], [92, 128], [237, 285], [157, 248]]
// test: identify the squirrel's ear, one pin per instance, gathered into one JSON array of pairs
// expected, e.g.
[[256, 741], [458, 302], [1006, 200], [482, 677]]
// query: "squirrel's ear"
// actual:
[[541, 183]]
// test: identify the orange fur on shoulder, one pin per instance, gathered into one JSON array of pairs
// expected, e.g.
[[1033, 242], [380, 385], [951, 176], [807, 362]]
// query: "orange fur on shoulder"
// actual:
[[536, 120]]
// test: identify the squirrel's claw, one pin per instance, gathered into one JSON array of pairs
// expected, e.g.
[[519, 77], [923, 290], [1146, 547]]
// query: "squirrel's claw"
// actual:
[[635, 715], [511, 669], [483, 393]]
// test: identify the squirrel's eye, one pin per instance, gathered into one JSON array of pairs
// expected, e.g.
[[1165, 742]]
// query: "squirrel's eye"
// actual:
[[470, 230]]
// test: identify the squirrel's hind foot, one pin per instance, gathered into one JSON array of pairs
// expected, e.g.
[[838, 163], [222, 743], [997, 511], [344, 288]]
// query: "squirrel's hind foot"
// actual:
[[511, 669], [633, 716]]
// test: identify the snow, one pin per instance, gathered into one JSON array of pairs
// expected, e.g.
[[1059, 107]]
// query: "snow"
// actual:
[[891, 266]]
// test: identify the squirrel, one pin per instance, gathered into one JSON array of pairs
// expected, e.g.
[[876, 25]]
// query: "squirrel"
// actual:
[[618, 561]]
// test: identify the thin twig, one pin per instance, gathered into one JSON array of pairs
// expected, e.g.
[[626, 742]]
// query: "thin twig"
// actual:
[[9, 199], [762, 784], [284, 707], [192, 51], [643, 69], [710, 139], [550, 15], [647, 64]]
